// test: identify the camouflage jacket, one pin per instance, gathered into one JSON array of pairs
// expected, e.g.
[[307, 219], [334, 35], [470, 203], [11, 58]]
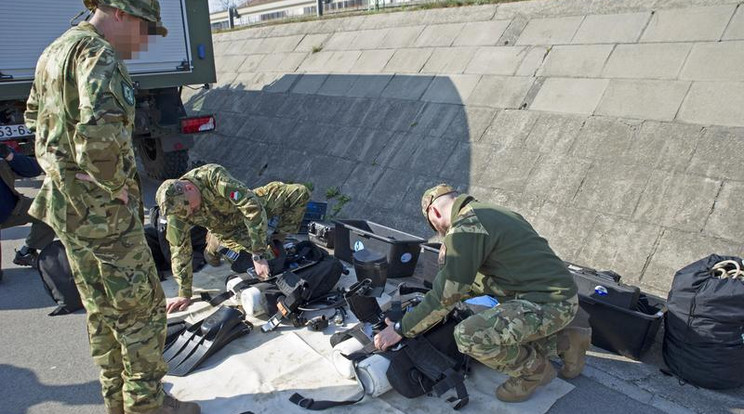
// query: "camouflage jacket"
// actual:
[[81, 108], [228, 209], [494, 251]]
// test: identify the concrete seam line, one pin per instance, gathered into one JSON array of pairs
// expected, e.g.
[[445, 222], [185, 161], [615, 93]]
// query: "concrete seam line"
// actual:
[[729, 22], [682, 102], [645, 26]]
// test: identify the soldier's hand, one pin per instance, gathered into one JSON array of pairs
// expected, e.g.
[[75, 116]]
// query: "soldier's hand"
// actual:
[[123, 194], [5, 152], [387, 337], [262, 269], [177, 304]]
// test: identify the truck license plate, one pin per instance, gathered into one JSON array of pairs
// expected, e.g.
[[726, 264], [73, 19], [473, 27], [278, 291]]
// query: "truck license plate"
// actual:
[[13, 131]]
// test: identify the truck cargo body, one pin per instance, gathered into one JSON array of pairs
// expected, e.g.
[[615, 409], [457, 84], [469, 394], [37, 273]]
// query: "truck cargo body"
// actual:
[[184, 57]]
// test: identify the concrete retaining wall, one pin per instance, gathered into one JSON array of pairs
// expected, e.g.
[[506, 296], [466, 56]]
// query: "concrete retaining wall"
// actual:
[[616, 128]]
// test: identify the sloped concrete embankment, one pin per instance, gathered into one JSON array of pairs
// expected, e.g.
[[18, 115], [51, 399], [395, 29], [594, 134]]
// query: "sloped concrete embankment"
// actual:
[[614, 127]]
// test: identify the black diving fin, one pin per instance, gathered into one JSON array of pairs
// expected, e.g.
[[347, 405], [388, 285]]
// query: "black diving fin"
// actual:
[[203, 339]]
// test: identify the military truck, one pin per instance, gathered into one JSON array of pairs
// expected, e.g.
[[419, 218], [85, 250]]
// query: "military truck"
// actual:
[[163, 134]]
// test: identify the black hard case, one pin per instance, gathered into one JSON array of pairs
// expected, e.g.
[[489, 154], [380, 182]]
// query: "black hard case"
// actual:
[[427, 265], [604, 286], [401, 249]]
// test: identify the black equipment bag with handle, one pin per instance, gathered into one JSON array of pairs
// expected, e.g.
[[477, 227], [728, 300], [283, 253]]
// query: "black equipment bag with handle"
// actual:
[[319, 278], [431, 363], [198, 242], [54, 269], [427, 364], [704, 327]]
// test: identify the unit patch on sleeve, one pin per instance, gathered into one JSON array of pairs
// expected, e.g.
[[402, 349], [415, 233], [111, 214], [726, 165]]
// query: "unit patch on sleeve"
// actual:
[[128, 92], [235, 195]]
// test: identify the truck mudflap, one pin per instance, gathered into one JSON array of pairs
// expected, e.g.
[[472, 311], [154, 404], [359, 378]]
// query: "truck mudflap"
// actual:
[[176, 143]]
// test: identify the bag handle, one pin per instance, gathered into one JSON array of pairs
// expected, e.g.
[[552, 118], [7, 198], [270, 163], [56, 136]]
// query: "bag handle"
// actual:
[[720, 271]]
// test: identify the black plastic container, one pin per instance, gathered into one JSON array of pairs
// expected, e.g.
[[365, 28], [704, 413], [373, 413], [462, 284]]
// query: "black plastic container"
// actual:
[[626, 332], [315, 211], [371, 265], [401, 249], [427, 265], [604, 286]]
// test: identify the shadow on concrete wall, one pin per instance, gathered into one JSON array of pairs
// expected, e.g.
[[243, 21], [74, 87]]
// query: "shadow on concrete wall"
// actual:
[[380, 139]]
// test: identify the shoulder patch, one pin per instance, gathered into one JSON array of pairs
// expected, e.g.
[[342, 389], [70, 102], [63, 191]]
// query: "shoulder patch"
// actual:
[[128, 92], [235, 195]]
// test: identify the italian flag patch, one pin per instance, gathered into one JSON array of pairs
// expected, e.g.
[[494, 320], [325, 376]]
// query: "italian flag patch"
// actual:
[[235, 195]]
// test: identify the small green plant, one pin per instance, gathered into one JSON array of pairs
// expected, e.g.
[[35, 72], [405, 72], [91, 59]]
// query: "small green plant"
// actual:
[[341, 201], [332, 192], [310, 186], [317, 49]]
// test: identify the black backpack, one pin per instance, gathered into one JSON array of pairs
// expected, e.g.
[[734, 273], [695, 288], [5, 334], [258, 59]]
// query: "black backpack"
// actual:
[[704, 327], [54, 269]]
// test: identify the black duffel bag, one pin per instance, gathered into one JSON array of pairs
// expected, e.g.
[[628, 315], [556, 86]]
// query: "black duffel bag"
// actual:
[[704, 327], [54, 269]]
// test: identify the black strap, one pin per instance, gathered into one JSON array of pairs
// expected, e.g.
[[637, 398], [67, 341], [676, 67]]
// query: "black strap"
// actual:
[[311, 404], [456, 380]]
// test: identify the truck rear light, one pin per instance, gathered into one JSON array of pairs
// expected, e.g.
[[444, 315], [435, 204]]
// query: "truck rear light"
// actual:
[[197, 124]]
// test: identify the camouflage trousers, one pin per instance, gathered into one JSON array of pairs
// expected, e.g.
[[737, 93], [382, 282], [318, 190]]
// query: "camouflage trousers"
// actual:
[[126, 319], [284, 202], [514, 336]]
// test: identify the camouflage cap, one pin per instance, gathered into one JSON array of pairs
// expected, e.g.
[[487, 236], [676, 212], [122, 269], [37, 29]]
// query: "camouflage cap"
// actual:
[[171, 197], [144, 9], [432, 194]]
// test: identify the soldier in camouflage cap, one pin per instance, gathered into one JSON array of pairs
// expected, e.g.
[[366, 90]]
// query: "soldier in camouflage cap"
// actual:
[[148, 10], [432, 194], [172, 199], [238, 218], [81, 108], [494, 251]]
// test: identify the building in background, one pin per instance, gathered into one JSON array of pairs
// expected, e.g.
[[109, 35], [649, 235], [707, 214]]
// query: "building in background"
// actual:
[[259, 11]]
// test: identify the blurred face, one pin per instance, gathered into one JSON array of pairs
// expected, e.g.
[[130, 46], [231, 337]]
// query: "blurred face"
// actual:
[[129, 36]]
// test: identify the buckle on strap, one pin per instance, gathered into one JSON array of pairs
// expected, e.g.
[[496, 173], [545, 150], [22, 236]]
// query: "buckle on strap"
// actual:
[[303, 402]]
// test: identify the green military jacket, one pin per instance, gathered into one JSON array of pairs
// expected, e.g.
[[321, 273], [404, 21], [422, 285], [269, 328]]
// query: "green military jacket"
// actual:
[[229, 210], [81, 107], [493, 251]]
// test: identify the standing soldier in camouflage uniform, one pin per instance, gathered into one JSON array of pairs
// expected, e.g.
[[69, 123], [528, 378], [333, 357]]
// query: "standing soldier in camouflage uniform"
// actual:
[[81, 107], [240, 219], [494, 251]]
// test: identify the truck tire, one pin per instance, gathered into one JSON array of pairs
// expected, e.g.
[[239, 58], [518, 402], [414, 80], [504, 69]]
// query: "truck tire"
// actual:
[[159, 164]]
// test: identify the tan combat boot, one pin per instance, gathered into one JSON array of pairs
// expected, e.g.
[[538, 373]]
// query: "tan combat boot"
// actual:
[[518, 389], [210, 252], [573, 342], [173, 406]]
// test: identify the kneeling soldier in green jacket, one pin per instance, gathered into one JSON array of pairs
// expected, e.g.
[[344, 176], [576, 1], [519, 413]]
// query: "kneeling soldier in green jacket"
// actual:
[[237, 218], [494, 251]]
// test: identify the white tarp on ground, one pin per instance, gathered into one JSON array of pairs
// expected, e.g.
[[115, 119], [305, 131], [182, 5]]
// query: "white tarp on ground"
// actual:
[[259, 372]]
